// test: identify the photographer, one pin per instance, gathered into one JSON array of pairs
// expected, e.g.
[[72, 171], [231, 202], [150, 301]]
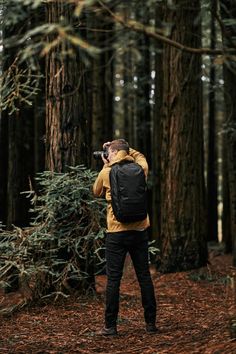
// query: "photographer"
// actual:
[[123, 237]]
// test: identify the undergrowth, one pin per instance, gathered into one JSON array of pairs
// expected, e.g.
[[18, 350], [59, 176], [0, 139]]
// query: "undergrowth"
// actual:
[[62, 249]]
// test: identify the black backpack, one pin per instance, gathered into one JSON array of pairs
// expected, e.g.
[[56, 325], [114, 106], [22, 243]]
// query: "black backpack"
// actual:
[[128, 192]]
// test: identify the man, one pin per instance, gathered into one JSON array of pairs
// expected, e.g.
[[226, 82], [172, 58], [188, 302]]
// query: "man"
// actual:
[[122, 238]]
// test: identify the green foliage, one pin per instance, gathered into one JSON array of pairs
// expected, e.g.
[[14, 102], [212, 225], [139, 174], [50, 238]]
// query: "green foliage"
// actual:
[[61, 250], [152, 249], [209, 276], [28, 37]]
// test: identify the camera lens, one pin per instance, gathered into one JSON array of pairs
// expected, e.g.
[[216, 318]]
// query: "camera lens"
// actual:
[[97, 154]]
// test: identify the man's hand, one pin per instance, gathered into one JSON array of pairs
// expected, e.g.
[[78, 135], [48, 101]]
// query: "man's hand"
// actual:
[[106, 145], [105, 161]]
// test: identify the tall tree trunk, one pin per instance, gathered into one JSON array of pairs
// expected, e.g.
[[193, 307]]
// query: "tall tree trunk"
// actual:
[[68, 111], [129, 96], [39, 105], [183, 219], [228, 12], [3, 166], [143, 73], [212, 202], [4, 63], [101, 84], [3, 152], [65, 116], [39, 129], [20, 166], [119, 128], [157, 133], [18, 126]]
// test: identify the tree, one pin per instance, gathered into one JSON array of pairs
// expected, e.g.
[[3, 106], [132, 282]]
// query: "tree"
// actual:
[[101, 33], [183, 216], [143, 74], [127, 79], [3, 166], [3, 157], [16, 124], [212, 216], [39, 106], [68, 106], [228, 14], [157, 130]]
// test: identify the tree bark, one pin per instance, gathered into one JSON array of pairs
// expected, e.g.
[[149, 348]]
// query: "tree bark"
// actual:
[[65, 118], [143, 73], [157, 133], [17, 128], [20, 166], [228, 12], [101, 85], [68, 110], [39, 105], [129, 96], [183, 218], [212, 200], [3, 166]]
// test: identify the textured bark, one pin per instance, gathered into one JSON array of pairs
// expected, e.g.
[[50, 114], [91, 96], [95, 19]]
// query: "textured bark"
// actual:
[[65, 119], [183, 218], [143, 73], [228, 11], [120, 129], [39, 105], [212, 215], [157, 134], [17, 156], [3, 165], [20, 166], [39, 130], [129, 97], [226, 215], [68, 110], [101, 86], [3, 148]]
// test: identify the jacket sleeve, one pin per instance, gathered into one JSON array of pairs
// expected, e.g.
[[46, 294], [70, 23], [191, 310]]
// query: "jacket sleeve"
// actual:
[[98, 187], [140, 159]]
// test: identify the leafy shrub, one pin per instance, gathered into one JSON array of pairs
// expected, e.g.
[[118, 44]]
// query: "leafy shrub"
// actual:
[[61, 249]]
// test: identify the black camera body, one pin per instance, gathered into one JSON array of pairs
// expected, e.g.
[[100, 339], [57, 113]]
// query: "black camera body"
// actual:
[[98, 154]]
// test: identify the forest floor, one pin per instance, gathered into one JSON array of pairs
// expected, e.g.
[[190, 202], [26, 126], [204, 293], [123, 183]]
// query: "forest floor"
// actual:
[[194, 311]]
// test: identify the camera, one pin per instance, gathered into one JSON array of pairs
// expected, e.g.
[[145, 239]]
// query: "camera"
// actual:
[[98, 154]]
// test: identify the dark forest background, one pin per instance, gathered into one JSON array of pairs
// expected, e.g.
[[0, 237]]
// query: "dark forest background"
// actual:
[[160, 74]]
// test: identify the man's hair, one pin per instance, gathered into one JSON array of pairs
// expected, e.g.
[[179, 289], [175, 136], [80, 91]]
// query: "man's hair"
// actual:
[[119, 144]]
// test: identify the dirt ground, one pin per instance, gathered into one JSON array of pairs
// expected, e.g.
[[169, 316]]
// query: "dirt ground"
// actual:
[[194, 312]]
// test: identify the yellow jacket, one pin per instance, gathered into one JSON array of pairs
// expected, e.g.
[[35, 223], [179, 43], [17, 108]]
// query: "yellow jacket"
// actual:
[[101, 187]]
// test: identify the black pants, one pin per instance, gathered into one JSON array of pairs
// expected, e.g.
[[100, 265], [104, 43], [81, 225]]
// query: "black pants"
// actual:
[[117, 246]]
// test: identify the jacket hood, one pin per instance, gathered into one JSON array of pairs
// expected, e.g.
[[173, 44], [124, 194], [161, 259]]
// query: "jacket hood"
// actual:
[[122, 155]]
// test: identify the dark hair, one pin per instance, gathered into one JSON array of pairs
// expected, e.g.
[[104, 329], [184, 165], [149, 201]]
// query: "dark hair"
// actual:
[[119, 144]]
